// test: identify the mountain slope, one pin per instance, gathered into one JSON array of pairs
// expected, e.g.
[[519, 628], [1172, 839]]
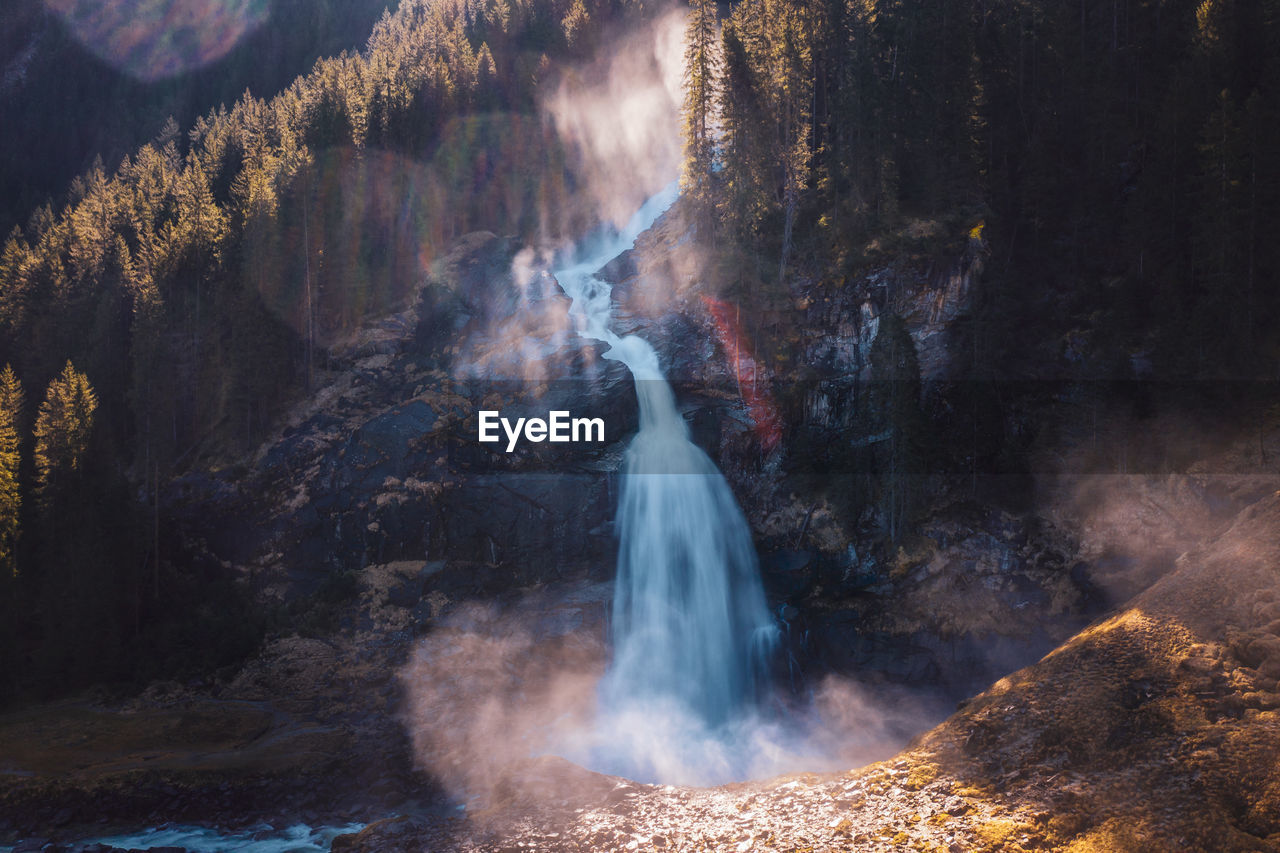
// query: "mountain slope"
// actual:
[[104, 110]]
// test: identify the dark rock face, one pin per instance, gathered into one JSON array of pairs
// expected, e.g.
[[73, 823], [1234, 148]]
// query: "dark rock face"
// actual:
[[531, 518], [976, 595], [477, 272], [621, 269], [384, 463]]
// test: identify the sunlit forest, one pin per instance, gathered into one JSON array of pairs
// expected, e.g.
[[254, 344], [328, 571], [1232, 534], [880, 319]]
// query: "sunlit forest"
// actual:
[[189, 247]]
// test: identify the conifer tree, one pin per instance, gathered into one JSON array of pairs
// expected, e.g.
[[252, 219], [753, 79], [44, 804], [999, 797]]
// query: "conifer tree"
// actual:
[[740, 111], [91, 223], [11, 405], [83, 580], [576, 26], [63, 427], [701, 68], [486, 76], [793, 87], [15, 268]]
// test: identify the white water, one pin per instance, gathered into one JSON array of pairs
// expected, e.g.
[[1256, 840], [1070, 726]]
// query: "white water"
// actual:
[[691, 631], [299, 838]]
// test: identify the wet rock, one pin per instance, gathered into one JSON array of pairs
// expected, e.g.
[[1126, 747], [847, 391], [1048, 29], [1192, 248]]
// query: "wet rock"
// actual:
[[621, 269], [31, 845], [788, 574]]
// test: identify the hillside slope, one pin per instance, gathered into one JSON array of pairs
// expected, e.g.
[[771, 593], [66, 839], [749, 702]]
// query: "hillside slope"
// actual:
[[109, 111]]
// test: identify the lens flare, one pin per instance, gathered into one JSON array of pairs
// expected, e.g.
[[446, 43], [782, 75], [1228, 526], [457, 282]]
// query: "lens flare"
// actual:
[[154, 39], [764, 414]]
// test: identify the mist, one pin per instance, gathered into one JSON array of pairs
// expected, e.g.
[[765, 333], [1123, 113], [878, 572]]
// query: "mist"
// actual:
[[492, 687], [620, 115], [489, 688], [1140, 493]]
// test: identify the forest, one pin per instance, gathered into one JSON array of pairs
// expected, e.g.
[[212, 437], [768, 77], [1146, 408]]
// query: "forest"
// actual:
[[936, 349], [1117, 162], [189, 292], [1118, 158], [60, 54]]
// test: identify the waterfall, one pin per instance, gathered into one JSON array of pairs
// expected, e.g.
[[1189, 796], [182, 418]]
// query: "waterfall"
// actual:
[[691, 631]]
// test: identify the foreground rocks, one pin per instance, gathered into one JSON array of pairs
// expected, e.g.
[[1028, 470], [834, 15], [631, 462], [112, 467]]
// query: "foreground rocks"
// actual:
[[1157, 728]]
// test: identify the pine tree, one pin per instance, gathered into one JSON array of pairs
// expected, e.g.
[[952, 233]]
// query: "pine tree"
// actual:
[[766, 109], [793, 86], [63, 427], [11, 405], [92, 220], [497, 16], [15, 282], [486, 77], [701, 67], [85, 576], [151, 396], [744, 196], [576, 26]]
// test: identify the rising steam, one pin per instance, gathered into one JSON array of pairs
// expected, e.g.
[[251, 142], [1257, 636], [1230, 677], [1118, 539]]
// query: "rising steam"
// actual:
[[489, 688], [621, 115]]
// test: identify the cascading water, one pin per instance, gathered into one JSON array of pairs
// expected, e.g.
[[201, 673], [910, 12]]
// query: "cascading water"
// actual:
[[691, 630]]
